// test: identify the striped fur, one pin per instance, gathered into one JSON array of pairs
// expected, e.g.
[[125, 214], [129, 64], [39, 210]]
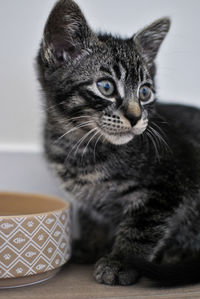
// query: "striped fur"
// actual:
[[133, 165]]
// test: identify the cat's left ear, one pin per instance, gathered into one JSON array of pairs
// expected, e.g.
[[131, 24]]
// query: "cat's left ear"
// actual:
[[67, 36], [150, 39]]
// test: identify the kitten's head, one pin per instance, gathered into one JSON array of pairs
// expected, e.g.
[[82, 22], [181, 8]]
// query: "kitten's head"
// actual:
[[98, 85]]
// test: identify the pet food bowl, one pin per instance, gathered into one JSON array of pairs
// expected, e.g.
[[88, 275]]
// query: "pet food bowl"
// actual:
[[35, 238]]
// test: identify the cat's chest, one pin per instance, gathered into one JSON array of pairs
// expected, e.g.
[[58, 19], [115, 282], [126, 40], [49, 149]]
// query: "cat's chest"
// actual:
[[111, 198], [100, 201]]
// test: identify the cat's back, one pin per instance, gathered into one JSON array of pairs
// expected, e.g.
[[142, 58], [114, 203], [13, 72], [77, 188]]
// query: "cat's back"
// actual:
[[182, 120]]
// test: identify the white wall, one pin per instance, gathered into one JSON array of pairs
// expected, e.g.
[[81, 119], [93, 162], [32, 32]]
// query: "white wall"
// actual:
[[21, 26]]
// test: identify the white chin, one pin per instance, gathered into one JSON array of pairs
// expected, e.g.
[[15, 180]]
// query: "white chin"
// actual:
[[119, 139]]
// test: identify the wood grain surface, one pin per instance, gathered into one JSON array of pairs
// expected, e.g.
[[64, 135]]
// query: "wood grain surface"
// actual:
[[76, 282]]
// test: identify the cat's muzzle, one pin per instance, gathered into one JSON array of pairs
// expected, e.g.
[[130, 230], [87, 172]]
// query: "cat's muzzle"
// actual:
[[118, 129]]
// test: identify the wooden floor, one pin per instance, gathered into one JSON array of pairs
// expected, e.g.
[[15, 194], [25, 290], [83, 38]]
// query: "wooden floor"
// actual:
[[76, 282]]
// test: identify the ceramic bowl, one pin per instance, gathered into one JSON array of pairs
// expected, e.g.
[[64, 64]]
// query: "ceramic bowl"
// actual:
[[35, 238]]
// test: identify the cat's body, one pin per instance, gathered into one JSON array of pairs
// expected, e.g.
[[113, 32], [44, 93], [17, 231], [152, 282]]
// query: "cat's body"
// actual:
[[137, 182]]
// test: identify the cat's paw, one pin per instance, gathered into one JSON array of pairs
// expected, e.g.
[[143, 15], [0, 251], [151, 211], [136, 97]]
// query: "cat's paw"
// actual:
[[112, 272]]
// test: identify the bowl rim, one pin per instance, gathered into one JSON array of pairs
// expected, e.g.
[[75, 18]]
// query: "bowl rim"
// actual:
[[66, 204]]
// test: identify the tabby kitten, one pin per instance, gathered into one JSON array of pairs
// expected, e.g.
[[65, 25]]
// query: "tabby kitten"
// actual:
[[132, 164]]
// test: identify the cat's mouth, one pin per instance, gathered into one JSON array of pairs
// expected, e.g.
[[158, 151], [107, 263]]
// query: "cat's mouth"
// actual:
[[118, 130], [117, 137]]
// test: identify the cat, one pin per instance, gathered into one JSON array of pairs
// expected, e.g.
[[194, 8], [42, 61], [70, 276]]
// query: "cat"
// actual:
[[132, 164]]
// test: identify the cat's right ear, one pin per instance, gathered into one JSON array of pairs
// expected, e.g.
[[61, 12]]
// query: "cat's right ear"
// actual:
[[67, 35], [150, 39]]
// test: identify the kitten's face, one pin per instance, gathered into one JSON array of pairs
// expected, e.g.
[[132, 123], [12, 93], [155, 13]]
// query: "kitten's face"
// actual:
[[98, 86], [109, 96]]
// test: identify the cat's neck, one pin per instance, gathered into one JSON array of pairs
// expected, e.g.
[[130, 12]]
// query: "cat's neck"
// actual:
[[89, 153]]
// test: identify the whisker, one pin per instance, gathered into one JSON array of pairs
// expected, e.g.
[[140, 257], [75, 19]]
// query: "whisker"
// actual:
[[89, 142], [53, 106], [82, 139], [155, 136], [73, 129], [159, 128], [96, 145], [163, 142], [161, 138], [145, 136], [77, 144], [160, 119], [78, 117], [151, 137]]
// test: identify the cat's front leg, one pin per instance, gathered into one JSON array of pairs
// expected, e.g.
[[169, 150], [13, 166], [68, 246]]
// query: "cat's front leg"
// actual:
[[141, 234], [93, 241]]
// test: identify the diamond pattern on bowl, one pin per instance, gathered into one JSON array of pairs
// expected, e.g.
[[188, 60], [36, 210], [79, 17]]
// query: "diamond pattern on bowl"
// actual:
[[41, 237], [49, 250], [30, 254], [57, 260], [8, 256], [63, 245], [40, 266], [34, 244], [19, 240], [7, 226], [2, 271], [19, 269], [29, 225], [49, 221], [57, 233], [63, 218], [2, 241]]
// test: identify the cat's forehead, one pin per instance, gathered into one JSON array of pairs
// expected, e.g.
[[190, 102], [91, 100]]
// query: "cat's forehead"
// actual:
[[118, 50], [121, 60], [112, 57]]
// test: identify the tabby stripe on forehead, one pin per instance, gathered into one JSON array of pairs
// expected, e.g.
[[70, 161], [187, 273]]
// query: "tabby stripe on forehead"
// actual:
[[117, 71], [141, 75], [123, 64], [138, 64], [105, 70]]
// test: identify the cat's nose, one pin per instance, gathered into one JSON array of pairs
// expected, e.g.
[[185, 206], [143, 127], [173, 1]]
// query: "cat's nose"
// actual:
[[133, 112], [132, 118]]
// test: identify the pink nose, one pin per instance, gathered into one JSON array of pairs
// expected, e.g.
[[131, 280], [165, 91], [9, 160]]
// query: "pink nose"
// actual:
[[134, 112], [132, 118]]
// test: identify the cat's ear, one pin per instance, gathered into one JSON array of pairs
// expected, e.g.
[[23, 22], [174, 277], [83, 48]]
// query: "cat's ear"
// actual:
[[150, 39], [66, 34]]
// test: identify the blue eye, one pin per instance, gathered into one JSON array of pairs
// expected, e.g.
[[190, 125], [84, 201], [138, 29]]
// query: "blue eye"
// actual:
[[145, 93], [106, 87]]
